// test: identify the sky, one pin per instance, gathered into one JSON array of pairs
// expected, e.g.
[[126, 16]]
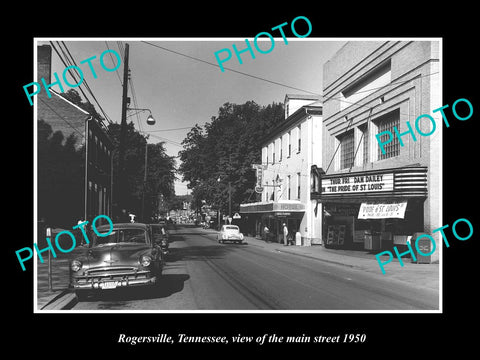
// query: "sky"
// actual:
[[182, 92]]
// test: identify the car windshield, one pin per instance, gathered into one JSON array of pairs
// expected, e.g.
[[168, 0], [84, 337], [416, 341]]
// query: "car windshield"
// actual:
[[138, 236], [231, 227]]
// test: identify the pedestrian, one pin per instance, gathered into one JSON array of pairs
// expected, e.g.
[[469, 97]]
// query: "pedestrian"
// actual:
[[266, 232], [132, 217], [285, 234]]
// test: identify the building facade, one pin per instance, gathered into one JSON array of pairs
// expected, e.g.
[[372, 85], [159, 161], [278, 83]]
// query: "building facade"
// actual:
[[68, 118], [372, 198], [287, 156]]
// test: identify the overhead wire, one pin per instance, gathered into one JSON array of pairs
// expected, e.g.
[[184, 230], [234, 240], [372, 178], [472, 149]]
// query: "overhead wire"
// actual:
[[88, 87], [229, 69], [61, 117], [113, 62]]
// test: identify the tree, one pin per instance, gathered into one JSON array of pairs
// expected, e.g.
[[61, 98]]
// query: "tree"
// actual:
[[137, 195], [223, 152], [73, 96], [60, 177]]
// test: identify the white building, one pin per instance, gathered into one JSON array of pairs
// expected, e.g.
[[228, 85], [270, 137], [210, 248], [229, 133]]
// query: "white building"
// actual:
[[288, 154]]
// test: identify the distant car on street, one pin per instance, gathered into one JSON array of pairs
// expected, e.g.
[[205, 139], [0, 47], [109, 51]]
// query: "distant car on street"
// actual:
[[230, 233], [127, 257]]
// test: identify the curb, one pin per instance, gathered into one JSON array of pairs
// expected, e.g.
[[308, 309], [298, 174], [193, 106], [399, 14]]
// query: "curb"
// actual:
[[63, 301], [319, 259]]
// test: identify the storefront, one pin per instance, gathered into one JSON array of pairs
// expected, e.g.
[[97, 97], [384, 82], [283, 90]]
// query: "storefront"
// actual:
[[373, 210], [272, 215]]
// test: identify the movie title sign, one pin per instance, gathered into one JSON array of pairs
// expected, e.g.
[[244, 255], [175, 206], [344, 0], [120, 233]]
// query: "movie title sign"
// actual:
[[358, 184]]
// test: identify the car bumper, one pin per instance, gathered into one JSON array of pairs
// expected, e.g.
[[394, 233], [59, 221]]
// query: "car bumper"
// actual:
[[111, 284]]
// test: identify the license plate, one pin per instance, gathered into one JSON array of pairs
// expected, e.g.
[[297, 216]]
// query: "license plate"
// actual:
[[108, 285]]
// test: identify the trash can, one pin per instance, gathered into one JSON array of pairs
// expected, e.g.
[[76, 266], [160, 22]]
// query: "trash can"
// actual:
[[424, 245]]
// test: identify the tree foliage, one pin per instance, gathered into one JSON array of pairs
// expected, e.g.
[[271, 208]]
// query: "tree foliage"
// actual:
[[139, 196], [60, 184], [223, 151]]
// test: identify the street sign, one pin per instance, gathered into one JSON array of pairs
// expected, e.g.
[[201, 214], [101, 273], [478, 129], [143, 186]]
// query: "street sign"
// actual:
[[237, 216], [259, 189]]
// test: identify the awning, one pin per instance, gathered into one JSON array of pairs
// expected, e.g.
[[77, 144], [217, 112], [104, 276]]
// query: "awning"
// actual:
[[273, 207], [394, 210]]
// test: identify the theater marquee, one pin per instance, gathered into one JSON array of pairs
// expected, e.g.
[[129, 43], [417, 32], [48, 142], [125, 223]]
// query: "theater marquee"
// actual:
[[358, 184]]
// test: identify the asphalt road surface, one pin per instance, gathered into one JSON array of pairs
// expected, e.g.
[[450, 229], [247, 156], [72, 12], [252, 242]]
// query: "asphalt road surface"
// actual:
[[202, 274]]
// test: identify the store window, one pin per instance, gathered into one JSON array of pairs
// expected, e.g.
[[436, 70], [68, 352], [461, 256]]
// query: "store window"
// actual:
[[346, 149], [387, 123]]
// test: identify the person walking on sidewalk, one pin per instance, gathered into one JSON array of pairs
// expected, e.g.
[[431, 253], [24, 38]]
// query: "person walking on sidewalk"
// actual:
[[266, 232], [285, 234]]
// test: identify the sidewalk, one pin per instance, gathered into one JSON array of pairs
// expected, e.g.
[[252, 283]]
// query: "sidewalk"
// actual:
[[424, 275], [59, 297]]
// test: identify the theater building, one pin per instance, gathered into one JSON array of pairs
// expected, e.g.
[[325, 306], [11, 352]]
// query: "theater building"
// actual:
[[374, 199], [287, 156]]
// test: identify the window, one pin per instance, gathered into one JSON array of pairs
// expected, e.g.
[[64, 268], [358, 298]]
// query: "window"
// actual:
[[266, 193], [364, 130], [288, 184], [281, 148], [346, 149], [299, 137], [367, 84], [298, 186], [387, 123], [273, 152], [289, 143]]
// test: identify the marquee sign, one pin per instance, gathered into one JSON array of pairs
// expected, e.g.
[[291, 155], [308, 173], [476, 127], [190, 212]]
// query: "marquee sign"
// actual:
[[358, 184], [406, 182]]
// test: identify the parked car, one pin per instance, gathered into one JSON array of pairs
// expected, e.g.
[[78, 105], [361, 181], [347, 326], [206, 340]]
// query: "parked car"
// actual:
[[127, 257], [230, 233]]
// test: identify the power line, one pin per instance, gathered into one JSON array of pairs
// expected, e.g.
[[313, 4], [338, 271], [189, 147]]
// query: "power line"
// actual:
[[61, 117], [88, 87], [173, 129], [232, 70], [116, 70]]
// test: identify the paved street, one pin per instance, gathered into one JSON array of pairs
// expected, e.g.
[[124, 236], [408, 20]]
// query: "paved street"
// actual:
[[202, 274]]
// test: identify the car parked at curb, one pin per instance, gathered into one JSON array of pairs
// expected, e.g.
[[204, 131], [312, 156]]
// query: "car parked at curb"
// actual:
[[126, 257], [230, 233]]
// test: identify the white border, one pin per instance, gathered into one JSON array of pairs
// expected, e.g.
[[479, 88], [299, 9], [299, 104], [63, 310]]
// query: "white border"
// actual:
[[440, 293]]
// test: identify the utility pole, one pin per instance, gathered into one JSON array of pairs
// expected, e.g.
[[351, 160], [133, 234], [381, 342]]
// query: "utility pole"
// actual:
[[144, 182], [123, 131], [229, 198]]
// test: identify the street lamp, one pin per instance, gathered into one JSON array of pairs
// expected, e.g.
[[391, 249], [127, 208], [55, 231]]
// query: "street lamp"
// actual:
[[150, 119]]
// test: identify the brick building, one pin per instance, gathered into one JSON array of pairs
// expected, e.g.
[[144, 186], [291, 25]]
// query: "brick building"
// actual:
[[68, 118], [371, 198]]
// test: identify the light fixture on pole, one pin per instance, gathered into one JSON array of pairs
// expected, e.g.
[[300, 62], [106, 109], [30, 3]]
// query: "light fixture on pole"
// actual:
[[150, 119]]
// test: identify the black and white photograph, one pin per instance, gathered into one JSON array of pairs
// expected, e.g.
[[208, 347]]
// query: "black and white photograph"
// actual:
[[211, 189], [218, 182]]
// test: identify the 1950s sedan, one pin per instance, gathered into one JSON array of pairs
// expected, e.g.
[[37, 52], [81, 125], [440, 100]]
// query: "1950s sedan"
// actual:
[[126, 257], [230, 233]]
